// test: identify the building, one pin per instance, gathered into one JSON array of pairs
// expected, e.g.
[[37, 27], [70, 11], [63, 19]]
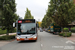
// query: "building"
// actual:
[[74, 1], [72, 24]]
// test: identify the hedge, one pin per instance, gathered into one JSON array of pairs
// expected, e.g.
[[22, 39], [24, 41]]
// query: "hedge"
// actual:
[[2, 31], [65, 34], [67, 29], [7, 37], [73, 29], [5, 31]]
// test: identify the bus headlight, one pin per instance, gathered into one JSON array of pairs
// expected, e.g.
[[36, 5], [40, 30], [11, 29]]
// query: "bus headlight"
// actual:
[[18, 37], [34, 36]]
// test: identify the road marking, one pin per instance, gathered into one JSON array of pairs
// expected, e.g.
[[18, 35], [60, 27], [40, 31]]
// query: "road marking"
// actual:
[[41, 45], [69, 42]]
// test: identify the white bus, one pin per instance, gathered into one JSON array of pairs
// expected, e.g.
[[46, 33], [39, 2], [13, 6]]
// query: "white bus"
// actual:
[[26, 30]]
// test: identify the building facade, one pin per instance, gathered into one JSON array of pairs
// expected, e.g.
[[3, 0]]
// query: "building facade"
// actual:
[[74, 1]]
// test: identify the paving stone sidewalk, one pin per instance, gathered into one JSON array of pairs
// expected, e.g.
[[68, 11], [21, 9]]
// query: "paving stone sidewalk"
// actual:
[[72, 38]]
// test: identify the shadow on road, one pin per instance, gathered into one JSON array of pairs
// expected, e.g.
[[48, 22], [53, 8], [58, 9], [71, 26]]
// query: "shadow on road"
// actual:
[[28, 41]]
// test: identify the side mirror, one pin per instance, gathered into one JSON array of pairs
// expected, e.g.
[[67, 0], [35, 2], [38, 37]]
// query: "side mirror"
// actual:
[[14, 25], [37, 25]]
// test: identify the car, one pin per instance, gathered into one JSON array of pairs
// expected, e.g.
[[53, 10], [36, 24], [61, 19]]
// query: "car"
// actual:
[[46, 30], [41, 30]]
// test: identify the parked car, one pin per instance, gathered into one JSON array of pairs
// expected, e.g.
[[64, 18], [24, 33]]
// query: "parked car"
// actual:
[[46, 30], [41, 30]]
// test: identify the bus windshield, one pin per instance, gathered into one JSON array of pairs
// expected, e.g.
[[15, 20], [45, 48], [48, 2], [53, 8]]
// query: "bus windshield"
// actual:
[[26, 28]]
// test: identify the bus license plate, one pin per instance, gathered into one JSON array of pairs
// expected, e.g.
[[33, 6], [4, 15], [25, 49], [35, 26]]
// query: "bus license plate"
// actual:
[[25, 39]]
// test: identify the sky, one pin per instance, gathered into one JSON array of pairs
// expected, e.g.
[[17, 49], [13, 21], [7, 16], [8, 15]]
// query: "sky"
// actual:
[[37, 7]]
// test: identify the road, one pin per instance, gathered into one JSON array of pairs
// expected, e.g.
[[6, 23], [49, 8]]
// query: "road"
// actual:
[[46, 41]]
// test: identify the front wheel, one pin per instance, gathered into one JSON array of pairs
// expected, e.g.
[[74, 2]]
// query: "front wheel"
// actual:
[[35, 40]]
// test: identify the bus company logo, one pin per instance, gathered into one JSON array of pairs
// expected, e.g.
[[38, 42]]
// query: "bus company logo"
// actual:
[[19, 21]]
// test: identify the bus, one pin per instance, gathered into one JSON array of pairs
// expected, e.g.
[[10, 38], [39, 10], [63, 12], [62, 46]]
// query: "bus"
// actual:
[[26, 30]]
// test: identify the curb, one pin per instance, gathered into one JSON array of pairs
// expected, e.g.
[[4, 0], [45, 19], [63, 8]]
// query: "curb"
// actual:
[[9, 34]]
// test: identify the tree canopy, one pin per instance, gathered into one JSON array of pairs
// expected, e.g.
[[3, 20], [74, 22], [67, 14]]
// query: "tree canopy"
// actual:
[[8, 14], [28, 14], [61, 12]]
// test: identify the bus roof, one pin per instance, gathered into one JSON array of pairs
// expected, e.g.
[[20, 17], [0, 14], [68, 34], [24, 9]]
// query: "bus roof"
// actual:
[[26, 19]]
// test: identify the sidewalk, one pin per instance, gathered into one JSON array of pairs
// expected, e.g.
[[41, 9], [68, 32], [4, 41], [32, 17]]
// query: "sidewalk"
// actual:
[[9, 34], [2, 43]]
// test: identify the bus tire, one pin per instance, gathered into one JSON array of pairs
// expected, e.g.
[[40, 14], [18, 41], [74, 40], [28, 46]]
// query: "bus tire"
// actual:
[[35, 40]]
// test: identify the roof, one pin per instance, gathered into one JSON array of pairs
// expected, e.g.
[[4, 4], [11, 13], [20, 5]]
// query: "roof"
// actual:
[[73, 23]]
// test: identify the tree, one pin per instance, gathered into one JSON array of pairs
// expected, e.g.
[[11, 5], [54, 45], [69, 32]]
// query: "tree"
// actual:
[[61, 11], [8, 15], [46, 22], [1, 8], [28, 14], [38, 24]]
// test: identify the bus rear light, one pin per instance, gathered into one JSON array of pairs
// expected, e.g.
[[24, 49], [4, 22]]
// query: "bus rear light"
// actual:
[[19, 21]]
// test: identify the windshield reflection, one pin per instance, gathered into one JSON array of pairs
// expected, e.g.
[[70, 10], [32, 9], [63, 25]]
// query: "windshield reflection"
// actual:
[[26, 27]]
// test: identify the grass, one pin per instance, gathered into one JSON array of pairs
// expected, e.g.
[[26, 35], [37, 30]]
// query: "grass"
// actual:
[[7, 37], [2, 31]]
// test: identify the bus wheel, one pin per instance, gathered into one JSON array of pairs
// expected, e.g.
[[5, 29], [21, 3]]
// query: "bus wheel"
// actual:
[[35, 40]]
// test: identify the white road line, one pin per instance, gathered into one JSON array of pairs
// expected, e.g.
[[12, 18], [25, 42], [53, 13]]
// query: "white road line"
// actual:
[[70, 42], [41, 45]]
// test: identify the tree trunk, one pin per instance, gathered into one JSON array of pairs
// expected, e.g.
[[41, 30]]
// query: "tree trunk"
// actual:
[[7, 32]]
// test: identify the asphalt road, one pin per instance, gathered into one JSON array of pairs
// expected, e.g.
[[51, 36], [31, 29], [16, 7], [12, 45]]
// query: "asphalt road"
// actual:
[[46, 41]]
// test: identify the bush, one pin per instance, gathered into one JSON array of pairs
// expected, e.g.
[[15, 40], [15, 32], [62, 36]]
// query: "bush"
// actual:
[[66, 29], [61, 34], [65, 34], [7, 37], [5, 31], [73, 29], [12, 31]]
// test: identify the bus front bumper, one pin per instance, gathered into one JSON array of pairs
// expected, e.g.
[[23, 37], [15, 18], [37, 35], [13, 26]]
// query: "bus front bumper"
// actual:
[[24, 39]]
